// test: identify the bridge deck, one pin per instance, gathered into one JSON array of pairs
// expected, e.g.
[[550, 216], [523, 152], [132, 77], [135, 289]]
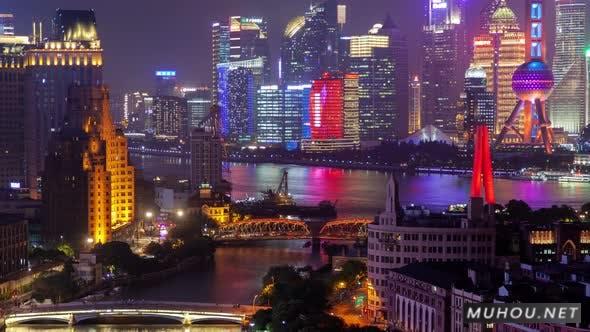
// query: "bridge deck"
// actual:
[[183, 312]]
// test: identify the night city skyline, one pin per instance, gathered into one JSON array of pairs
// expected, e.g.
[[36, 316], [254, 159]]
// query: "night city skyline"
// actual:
[[295, 166], [181, 40]]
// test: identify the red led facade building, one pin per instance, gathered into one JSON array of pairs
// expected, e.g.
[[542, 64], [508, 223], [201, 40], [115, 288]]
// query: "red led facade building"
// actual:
[[326, 107], [333, 113]]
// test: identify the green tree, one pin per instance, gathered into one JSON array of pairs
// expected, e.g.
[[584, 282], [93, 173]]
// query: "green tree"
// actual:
[[518, 210], [66, 249]]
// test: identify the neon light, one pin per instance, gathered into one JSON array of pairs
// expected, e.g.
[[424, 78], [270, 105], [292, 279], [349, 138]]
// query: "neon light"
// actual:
[[482, 166]]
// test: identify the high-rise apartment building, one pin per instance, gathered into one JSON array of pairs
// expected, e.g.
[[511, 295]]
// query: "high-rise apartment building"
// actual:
[[499, 51], [206, 162], [12, 110], [445, 51], [73, 55], [566, 105], [89, 187], [198, 105], [310, 44], [220, 50], [6, 24], [170, 115], [415, 107], [333, 113]]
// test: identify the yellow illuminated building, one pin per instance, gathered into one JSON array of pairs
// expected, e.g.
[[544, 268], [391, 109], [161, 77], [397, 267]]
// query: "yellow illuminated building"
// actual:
[[219, 213], [362, 46], [111, 185], [500, 52], [57, 53], [542, 237]]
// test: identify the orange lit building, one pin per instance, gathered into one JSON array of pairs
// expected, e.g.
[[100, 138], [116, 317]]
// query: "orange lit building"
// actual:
[[100, 182], [500, 52]]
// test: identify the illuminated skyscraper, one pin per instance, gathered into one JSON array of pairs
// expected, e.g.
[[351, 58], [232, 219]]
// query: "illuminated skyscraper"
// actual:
[[415, 110], [445, 51], [296, 112], [237, 86], [269, 115], [566, 105], [199, 103], [249, 40], [220, 49], [166, 84], [137, 111], [170, 116], [89, 188], [486, 15], [480, 104], [499, 51], [12, 110], [6, 24], [72, 56], [311, 43], [334, 113]]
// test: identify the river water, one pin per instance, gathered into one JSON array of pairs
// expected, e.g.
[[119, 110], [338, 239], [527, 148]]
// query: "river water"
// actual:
[[237, 273]]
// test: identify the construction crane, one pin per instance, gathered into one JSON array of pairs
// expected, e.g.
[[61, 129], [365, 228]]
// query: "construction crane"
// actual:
[[280, 196]]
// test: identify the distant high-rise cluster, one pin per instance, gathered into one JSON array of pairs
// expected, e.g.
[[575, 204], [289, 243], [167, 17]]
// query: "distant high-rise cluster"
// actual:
[[444, 62]]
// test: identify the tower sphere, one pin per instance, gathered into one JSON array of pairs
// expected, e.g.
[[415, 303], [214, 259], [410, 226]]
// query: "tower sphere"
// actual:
[[532, 80]]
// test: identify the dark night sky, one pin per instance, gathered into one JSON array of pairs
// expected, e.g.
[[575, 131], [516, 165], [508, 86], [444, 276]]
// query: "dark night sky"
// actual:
[[140, 36]]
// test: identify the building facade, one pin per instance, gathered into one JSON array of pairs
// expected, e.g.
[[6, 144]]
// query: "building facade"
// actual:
[[480, 104], [13, 248], [12, 110], [170, 116], [269, 115], [445, 52], [371, 57], [91, 190], [333, 113], [220, 49], [310, 44], [206, 159], [394, 242], [415, 107], [198, 106], [567, 103], [72, 55], [499, 51], [6, 24]]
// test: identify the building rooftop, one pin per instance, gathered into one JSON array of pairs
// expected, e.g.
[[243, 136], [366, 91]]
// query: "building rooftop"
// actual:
[[440, 274]]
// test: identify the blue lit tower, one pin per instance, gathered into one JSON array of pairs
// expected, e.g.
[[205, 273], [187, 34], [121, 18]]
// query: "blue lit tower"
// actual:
[[532, 82]]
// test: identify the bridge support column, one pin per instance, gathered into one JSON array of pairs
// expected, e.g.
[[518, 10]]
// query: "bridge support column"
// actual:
[[316, 244], [71, 320], [186, 321]]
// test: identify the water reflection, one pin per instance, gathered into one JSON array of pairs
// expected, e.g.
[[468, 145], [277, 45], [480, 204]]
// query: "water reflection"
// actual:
[[361, 193]]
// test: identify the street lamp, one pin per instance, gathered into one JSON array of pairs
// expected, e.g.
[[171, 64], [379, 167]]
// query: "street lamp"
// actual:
[[254, 301], [180, 213], [149, 214]]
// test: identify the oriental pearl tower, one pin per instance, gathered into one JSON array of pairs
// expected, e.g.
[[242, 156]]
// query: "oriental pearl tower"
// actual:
[[532, 83]]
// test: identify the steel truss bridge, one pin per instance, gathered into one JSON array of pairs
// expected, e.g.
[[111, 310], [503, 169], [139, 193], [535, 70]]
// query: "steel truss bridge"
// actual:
[[287, 229], [183, 313]]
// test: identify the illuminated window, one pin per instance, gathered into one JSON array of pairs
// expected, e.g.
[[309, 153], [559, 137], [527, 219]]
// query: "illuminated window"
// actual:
[[536, 11], [536, 31], [536, 50]]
